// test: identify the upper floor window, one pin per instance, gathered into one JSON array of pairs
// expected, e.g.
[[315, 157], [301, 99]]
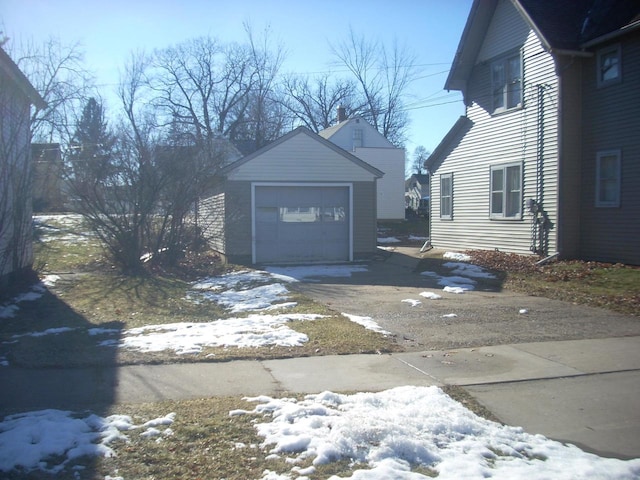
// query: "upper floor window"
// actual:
[[446, 196], [506, 83], [357, 138], [608, 178], [506, 191], [609, 71]]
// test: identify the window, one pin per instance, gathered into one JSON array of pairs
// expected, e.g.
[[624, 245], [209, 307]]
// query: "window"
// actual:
[[609, 71], [506, 191], [446, 196], [357, 138], [506, 83], [608, 178]]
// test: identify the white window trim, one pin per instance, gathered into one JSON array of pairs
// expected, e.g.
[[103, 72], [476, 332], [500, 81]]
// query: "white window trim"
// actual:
[[604, 51], [448, 176], [504, 61], [503, 167], [599, 155]]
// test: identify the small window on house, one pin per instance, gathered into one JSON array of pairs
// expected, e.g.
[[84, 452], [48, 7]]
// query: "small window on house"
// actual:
[[506, 83], [609, 71], [446, 196], [506, 191], [608, 178], [357, 138]]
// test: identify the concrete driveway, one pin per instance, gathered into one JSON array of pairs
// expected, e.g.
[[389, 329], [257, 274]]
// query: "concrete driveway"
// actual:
[[487, 316]]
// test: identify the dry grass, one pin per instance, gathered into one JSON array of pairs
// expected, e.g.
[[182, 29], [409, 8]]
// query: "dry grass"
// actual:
[[612, 286], [92, 294]]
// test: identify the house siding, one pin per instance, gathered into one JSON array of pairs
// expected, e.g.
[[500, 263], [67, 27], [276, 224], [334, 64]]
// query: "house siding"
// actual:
[[16, 250], [510, 137], [611, 122], [212, 214], [570, 164], [390, 196]]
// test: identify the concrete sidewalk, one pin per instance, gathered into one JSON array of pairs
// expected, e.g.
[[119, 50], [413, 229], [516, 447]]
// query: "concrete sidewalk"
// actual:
[[585, 392]]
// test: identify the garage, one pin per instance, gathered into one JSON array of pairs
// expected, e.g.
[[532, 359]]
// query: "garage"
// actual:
[[302, 223], [300, 199]]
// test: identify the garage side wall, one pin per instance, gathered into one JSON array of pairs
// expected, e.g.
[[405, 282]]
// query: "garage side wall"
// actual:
[[364, 220], [238, 222]]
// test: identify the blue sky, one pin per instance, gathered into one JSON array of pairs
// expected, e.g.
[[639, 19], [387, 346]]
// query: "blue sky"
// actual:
[[110, 31]]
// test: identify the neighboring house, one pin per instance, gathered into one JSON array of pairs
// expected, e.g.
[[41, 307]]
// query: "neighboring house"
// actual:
[[299, 199], [547, 158], [416, 193], [17, 95], [48, 194], [357, 136]]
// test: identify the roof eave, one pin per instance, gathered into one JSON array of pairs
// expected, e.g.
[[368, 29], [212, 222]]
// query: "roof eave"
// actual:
[[612, 35], [21, 81]]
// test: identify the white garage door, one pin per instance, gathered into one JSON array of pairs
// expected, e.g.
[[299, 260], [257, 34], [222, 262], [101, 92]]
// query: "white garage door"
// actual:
[[298, 224]]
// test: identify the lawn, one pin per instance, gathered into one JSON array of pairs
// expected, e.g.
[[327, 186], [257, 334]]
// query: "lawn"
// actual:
[[88, 309]]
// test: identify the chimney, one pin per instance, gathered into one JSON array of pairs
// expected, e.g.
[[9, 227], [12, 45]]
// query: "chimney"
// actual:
[[342, 114]]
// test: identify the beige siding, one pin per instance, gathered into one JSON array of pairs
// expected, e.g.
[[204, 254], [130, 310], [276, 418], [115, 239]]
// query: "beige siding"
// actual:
[[301, 158], [611, 121], [364, 219], [212, 214], [500, 139], [238, 216]]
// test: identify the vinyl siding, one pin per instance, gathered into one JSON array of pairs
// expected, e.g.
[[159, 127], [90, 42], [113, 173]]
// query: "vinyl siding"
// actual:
[[301, 158], [510, 137], [16, 248], [611, 121], [238, 234], [390, 196], [364, 220], [212, 215], [570, 164]]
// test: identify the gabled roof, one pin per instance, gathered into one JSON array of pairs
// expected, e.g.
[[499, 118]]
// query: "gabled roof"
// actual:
[[564, 27], [328, 133], [316, 137], [15, 75]]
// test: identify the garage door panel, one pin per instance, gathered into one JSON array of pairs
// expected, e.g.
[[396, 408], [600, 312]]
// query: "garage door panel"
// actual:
[[311, 224]]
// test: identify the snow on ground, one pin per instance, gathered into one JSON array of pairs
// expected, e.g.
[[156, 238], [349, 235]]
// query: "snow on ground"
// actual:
[[388, 240], [257, 330], [385, 434], [49, 439], [366, 322], [252, 292], [9, 309], [462, 274], [309, 272], [459, 257]]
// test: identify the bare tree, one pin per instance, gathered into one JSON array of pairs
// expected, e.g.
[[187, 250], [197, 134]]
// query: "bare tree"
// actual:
[[264, 119], [58, 73], [382, 76], [420, 155], [314, 101]]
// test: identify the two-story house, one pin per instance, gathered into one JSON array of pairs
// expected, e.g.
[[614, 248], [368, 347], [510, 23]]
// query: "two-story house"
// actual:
[[357, 136], [416, 193], [547, 156], [16, 97]]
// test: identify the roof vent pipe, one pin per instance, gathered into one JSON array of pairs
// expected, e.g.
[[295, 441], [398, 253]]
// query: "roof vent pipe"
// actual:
[[342, 114]]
